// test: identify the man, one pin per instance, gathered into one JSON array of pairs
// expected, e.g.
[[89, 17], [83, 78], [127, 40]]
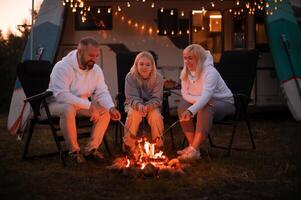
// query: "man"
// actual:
[[73, 80]]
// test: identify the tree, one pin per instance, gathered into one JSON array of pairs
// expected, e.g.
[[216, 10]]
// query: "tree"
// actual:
[[11, 50]]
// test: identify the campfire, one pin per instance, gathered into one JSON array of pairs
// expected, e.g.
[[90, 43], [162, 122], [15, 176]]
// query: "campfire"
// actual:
[[147, 161]]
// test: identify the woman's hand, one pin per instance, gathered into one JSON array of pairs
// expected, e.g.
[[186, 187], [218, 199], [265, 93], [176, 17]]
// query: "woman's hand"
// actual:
[[186, 115]]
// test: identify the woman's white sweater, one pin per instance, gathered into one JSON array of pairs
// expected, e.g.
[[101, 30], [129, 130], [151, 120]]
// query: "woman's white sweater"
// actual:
[[209, 86]]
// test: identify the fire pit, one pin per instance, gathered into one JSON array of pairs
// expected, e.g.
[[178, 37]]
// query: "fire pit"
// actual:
[[147, 161]]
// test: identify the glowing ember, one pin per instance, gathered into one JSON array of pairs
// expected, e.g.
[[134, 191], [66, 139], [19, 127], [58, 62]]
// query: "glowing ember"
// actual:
[[127, 162]]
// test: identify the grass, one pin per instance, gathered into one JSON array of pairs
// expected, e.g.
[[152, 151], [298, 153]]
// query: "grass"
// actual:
[[270, 172]]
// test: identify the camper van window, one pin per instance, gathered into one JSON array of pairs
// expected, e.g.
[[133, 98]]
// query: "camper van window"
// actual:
[[260, 33], [98, 18], [239, 32], [207, 29]]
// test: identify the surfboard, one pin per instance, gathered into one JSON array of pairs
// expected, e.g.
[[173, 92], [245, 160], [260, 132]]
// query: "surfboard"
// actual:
[[46, 36], [285, 43]]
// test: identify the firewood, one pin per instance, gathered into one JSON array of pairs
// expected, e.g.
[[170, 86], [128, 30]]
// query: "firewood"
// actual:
[[174, 163], [131, 171], [149, 170], [165, 172]]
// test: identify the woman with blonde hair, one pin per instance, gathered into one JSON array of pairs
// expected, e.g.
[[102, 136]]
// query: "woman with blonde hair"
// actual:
[[205, 95], [144, 93]]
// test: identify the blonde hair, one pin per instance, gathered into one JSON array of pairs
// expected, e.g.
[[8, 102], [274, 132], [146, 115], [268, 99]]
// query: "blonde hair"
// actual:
[[134, 70], [200, 54]]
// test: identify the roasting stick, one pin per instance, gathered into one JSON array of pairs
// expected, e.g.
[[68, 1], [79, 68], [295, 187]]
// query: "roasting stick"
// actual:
[[161, 136], [122, 124]]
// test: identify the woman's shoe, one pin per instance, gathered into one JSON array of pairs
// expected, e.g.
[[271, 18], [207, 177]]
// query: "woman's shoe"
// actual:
[[181, 152], [190, 155]]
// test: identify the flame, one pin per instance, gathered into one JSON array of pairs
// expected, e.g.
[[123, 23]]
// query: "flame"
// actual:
[[147, 154], [127, 163], [142, 165]]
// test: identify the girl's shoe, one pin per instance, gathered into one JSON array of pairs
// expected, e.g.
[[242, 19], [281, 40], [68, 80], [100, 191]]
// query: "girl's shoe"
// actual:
[[181, 152]]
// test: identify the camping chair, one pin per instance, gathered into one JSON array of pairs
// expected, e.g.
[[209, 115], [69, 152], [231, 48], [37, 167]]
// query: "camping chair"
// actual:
[[124, 63], [34, 76], [238, 69]]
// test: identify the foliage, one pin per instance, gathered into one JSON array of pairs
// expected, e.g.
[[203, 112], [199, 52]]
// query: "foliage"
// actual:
[[11, 50]]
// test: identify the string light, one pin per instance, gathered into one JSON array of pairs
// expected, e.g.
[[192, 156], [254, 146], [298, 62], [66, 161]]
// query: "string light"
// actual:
[[248, 7], [153, 5]]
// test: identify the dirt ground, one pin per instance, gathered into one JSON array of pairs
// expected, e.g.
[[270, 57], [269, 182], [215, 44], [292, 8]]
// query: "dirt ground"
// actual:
[[272, 171]]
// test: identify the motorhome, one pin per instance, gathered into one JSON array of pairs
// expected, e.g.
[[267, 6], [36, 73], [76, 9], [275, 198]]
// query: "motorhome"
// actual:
[[164, 27]]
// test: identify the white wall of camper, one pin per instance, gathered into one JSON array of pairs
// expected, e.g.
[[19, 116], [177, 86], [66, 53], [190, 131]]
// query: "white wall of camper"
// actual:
[[135, 26]]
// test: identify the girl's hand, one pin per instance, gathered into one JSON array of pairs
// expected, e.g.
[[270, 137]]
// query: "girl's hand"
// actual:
[[186, 115], [141, 109]]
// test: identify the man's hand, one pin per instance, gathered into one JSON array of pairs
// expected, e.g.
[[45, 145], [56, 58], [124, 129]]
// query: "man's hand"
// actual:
[[186, 115], [115, 114], [94, 113]]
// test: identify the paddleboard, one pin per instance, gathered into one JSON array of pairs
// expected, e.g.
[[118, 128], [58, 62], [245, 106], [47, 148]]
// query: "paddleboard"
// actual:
[[285, 43], [46, 36]]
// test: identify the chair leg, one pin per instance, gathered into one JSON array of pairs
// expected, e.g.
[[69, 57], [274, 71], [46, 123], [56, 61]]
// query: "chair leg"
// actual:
[[172, 140], [211, 141], [250, 132], [183, 142], [58, 144], [107, 145], [30, 131], [232, 138], [54, 134], [121, 136], [116, 132]]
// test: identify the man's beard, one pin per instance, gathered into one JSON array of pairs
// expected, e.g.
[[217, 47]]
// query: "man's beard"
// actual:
[[87, 65]]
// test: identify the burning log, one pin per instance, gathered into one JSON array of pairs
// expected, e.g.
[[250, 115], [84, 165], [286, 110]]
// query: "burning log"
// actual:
[[149, 170], [132, 171], [148, 162], [118, 164]]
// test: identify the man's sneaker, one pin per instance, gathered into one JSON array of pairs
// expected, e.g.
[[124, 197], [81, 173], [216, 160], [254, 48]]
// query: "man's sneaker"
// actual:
[[95, 155], [181, 152], [77, 157], [190, 155]]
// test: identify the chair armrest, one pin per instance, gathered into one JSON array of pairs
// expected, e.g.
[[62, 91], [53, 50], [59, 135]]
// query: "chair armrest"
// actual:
[[240, 97], [39, 97]]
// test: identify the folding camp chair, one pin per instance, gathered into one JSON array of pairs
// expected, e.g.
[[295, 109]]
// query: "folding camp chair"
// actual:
[[34, 76], [238, 69]]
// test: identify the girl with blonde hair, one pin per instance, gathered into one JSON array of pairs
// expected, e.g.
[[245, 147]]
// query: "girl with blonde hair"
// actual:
[[205, 95], [144, 93]]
